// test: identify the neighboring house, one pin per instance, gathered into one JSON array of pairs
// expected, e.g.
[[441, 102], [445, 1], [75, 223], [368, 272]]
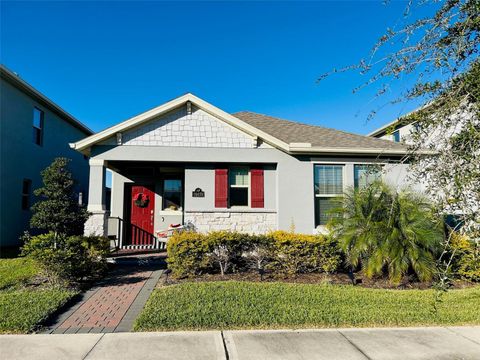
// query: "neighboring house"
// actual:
[[396, 131], [187, 161], [33, 132]]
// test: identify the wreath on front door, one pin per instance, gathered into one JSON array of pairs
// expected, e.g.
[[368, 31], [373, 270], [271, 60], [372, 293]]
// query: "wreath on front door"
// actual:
[[141, 202]]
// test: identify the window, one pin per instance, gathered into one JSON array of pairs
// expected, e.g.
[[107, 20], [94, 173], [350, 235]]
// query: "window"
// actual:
[[238, 186], [364, 175], [37, 126], [328, 179], [328, 186], [172, 194], [26, 190], [396, 136]]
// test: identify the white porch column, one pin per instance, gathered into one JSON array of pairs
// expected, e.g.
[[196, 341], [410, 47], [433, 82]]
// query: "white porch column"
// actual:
[[97, 222]]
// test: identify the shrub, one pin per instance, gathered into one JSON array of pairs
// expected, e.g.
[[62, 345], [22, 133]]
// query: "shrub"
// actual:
[[388, 232], [300, 253], [191, 253], [466, 257], [67, 258], [226, 248], [259, 253], [187, 253]]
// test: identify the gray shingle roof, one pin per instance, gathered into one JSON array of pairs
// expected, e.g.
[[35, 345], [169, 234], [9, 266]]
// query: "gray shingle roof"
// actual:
[[318, 136]]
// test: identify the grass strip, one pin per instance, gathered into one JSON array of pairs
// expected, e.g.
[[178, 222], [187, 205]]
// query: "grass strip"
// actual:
[[250, 305]]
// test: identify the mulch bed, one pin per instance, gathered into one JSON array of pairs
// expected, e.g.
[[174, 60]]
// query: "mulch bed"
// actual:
[[310, 278]]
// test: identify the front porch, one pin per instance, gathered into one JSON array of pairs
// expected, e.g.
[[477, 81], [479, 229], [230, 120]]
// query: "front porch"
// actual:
[[146, 202], [152, 199]]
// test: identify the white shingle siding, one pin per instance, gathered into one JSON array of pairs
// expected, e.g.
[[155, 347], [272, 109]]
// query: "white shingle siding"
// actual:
[[196, 130]]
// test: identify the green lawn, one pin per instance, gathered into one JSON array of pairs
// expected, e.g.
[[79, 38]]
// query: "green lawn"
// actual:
[[246, 305], [16, 272], [23, 305]]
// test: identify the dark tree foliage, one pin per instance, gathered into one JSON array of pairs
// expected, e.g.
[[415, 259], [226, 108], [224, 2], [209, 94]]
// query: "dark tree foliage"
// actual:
[[58, 210]]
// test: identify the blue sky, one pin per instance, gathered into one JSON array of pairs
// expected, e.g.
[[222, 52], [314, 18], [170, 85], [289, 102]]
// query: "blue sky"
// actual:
[[106, 61]]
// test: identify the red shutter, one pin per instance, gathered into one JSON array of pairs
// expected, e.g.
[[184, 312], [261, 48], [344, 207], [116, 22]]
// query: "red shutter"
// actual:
[[257, 195], [221, 188]]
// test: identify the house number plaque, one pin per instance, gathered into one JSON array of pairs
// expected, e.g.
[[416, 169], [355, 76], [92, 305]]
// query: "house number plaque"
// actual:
[[198, 193]]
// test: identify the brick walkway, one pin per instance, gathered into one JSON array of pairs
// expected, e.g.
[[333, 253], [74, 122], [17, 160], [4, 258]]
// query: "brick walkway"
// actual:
[[112, 305]]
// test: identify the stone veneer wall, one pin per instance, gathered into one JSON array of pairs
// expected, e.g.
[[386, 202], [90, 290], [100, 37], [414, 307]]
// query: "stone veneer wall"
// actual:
[[246, 222], [96, 224], [196, 130]]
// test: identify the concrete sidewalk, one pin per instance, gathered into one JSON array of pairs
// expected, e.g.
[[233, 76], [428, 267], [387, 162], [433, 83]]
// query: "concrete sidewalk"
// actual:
[[381, 344]]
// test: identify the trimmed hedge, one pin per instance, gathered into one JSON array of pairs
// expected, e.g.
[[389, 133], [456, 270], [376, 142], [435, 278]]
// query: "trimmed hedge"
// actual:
[[191, 253]]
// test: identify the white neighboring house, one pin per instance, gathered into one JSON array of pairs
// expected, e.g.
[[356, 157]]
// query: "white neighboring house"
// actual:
[[438, 139], [401, 131]]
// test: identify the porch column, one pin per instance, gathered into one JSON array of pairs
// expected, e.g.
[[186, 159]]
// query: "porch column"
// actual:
[[97, 222]]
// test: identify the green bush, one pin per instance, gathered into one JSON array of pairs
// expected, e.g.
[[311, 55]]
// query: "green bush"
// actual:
[[191, 253], [466, 257], [300, 253], [225, 249], [187, 254], [67, 259]]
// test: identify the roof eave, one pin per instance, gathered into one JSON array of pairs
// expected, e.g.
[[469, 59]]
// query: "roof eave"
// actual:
[[21, 84], [358, 151]]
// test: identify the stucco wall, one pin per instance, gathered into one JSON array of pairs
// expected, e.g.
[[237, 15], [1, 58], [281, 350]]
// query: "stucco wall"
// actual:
[[289, 192], [22, 159]]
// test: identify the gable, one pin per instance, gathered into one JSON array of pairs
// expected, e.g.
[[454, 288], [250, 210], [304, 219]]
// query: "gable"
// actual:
[[209, 126], [178, 128]]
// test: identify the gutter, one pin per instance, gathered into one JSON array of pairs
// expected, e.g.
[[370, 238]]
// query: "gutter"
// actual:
[[357, 151]]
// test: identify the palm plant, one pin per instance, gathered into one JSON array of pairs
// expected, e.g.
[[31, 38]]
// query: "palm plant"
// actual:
[[383, 230]]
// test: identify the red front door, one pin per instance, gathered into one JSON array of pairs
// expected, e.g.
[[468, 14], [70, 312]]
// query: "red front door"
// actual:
[[141, 215]]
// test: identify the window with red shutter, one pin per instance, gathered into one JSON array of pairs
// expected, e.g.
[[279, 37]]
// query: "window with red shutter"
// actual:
[[257, 188], [221, 188]]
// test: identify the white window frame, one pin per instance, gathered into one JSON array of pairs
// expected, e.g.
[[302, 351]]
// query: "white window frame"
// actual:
[[240, 186], [328, 195]]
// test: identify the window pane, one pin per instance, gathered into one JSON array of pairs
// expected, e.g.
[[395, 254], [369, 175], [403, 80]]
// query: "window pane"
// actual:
[[239, 176], [172, 194], [323, 207], [396, 136], [239, 196], [328, 179], [37, 118], [364, 175]]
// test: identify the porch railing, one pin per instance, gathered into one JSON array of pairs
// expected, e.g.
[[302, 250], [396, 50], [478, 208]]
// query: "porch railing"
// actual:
[[120, 232]]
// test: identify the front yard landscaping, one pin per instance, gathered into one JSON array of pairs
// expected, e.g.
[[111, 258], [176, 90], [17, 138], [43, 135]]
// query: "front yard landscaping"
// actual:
[[249, 305], [25, 299]]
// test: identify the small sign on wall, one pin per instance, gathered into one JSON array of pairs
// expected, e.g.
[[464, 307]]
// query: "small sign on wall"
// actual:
[[198, 193]]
